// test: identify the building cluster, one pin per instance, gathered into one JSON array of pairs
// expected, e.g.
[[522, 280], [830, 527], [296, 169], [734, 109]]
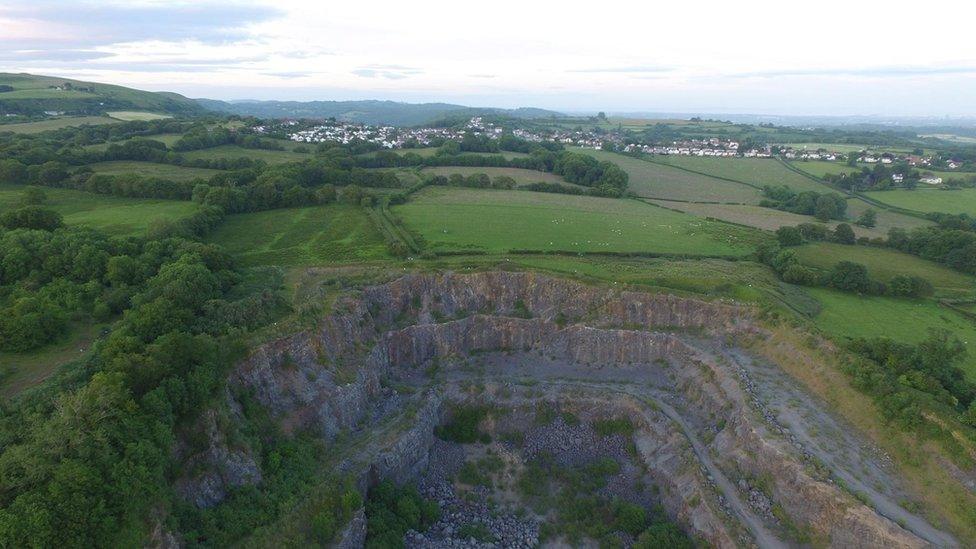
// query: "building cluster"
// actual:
[[701, 147], [388, 137]]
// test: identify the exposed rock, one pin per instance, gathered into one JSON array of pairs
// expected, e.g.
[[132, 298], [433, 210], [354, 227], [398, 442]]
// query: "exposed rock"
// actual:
[[653, 358]]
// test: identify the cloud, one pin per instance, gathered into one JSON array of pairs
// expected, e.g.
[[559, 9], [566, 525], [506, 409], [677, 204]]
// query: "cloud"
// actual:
[[881, 71], [52, 55], [90, 24], [392, 72], [626, 70], [289, 74]]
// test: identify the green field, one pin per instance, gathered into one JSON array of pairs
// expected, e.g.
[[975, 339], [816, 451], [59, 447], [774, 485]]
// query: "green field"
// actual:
[[55, 124], [768, 219], [831, 147], [884, 263], [166, 138], [151, 169], [521, 176], [652, 180], [758, 171], [458, 219], [315, 235], [235, 151], [886, 220], [847, 316], [112, 214], [821, 168], [930, 200], [130, 116]]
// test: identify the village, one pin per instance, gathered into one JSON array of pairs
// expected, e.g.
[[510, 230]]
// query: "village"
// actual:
[[392, 137]]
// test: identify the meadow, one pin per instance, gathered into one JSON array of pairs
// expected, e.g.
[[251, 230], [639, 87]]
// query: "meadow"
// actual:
[[131, 116], [152, 169], [885, 263], [475, 220], [316, 235], [112, 214], [520, 175], [846, 316], [822, 168], [768, 219], [235, 151], [886, 219], [652, 180], [166, 138], [757, 171], [55, 124], [929, 200]]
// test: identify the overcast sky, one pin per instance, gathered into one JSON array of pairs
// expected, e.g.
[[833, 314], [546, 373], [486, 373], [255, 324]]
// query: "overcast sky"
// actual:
[[827, 57]]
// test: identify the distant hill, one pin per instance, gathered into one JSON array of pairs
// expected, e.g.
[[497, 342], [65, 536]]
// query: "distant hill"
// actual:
[[33, 95], [365, 112]]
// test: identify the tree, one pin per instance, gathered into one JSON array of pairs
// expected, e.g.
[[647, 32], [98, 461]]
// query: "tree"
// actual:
[[844, 234], [33, 196], [789, 236], [32, 217], [868, 218], [850, 277]]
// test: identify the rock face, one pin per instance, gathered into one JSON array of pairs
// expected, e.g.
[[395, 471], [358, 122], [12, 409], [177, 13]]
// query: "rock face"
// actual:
[[661, 360]]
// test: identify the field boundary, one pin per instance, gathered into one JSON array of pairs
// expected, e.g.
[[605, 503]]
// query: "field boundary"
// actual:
[[855, 194], [385, 222], [647, 158], [789, 165], [651, 255]]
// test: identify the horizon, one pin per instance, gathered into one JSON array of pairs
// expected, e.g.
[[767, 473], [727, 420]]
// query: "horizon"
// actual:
[[841, 62]]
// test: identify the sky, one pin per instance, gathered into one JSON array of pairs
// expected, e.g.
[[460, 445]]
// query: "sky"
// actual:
[[828, 57]]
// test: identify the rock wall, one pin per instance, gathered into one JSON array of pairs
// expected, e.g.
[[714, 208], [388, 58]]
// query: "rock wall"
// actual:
[[330, 379]]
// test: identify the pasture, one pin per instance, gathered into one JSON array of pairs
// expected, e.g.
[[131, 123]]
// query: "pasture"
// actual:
[[132, 116], [55, 124], [151, 169], [768, 219], [929, 200], [235, 151], [166, 138], [476, 220], [757, 171], [112, 214], [886, 220], [653, 180], [316, 235], [884, 263], [520, 175], [846, 316], [821, 168]]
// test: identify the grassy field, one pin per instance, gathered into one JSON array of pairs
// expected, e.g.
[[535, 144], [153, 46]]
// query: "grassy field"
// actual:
[[112, 214], [166, 138], [151, 169], [848, 316], [820, 168], [55, 124], [758, 171], [651, 180], [234, 151], [130, 116], [883, 264], [929, 200], [759, 217], [458, 219], [886, 219], [301, 236], [21, 371], [521, 176]]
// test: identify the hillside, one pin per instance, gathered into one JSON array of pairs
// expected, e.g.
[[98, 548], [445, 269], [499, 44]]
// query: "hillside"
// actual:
[[366, 112], [33, 95]]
